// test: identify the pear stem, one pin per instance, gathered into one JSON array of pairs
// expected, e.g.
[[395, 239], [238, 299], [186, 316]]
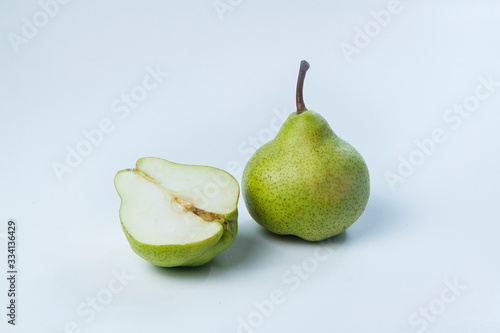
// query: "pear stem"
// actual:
[[301, 107]]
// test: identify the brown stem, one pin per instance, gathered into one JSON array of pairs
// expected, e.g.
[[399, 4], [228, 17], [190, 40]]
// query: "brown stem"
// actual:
[[301, 107]]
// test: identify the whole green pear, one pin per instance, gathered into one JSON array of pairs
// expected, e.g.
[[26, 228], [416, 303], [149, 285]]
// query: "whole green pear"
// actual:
[[306, 182]]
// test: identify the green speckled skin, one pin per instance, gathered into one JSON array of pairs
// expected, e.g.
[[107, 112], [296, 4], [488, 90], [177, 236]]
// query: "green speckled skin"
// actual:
[[307, 181], [195, 254]]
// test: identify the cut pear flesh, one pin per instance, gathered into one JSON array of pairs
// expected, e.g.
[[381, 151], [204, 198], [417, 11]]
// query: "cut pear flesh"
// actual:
[[164, 203]]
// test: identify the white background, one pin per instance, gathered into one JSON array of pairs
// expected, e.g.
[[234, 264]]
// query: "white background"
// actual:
[[231, 77]]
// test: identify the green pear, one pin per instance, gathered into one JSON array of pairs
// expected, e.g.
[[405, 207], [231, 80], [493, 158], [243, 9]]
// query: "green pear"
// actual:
[[175, 214], [306, 182]]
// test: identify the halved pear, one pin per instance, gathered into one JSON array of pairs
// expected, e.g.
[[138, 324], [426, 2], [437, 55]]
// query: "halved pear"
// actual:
[[175, 214]]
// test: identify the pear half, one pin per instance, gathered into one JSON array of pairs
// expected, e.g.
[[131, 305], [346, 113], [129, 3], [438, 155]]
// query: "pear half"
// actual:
[[175, 214]]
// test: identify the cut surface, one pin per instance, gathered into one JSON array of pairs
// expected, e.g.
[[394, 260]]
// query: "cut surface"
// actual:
[[207, 188], [169, 205]]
